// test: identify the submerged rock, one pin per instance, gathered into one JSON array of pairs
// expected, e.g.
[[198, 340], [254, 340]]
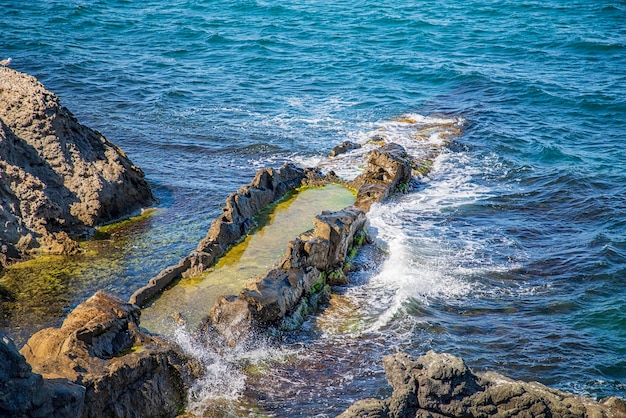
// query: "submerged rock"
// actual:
[[57, 177], [441, 385], [124, 370]]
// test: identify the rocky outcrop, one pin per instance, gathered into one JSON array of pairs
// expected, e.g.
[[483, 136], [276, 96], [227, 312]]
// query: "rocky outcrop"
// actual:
[[304, 270], [27, 394], [314, 259], [441, 385], [124, 370], [237, 219], [388, 169], [58, 178], [344, 147]]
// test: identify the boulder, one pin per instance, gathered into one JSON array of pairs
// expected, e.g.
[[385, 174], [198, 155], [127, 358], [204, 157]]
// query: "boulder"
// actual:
[[57, 177], [441, 385], [27, 394], [344, 147], [389, 168], [124, 370]]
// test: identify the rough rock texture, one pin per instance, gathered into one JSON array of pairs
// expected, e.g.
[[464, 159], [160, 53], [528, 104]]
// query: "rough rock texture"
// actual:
[[57, 177], [27, 394], [275, 294], [344, 147], [441, 385], [388, 168], [237, 219], [125, 371], [311, 260]]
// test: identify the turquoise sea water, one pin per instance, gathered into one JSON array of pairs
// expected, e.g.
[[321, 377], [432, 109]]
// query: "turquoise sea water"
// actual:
[[512, 255]]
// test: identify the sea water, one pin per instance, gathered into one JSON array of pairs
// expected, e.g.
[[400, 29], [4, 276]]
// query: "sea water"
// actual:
[[511, 253]]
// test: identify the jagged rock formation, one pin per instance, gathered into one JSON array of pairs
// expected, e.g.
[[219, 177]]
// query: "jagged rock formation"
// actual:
[[27, 394], [441, 385], [123, 370], [57, 177], [304, 270], [388, 169], [344, 147], [311, 259], [237, 219]]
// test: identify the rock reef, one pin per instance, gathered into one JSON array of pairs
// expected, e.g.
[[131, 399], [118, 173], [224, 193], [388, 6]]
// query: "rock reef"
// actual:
[[441, 385], [58, 178]]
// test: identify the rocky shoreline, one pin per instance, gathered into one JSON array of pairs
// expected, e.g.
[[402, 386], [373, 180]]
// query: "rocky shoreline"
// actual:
[[100, 362], [58, 178]]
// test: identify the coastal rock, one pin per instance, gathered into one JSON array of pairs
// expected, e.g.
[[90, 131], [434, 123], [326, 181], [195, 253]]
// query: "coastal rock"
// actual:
[[236, 220], [57, 177], [124, 370], [388, 169], [303, 270], [344, 147], [441, 385], [27, 394]]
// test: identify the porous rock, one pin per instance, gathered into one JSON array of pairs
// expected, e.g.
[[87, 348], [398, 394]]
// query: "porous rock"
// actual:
[[57, 177], [27, 394], [441, 385], [124, 370]]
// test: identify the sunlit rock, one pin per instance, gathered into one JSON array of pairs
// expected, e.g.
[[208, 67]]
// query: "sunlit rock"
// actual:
[[124, 370], [441, 385], [57, 177]]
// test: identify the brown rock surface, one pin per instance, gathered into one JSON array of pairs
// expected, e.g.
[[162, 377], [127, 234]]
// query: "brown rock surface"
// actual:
[[441, 385], [57, 177], [274, 295], [125, 371], [388, 168]]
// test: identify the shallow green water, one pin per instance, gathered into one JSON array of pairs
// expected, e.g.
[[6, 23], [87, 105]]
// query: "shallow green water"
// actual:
[[194, 297]]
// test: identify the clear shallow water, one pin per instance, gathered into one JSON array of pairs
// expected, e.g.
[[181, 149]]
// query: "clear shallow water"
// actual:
[[512, 255]]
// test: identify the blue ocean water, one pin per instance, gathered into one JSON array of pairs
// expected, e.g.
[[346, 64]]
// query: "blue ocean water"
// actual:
[[512, 254]]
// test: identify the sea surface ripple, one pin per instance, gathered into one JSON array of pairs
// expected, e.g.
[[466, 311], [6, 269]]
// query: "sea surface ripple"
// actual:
[[512, 254]]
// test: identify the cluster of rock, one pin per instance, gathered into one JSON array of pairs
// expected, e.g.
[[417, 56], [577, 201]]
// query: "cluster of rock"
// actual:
[[58, 178], [441, 385], [101, 363], [98, 363], [236, 220]]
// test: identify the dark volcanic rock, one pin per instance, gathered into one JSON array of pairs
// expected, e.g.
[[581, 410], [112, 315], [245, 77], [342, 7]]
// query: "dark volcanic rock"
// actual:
[[124, 370], [27, 394], [57, 177], [441, 385], [343, 148]]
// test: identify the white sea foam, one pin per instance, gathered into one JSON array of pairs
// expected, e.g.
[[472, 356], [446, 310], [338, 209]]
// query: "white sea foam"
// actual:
[[224, 377], [428, 258]]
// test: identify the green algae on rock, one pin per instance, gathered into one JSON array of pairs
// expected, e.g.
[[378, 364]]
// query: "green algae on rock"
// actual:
[[193, 297]]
